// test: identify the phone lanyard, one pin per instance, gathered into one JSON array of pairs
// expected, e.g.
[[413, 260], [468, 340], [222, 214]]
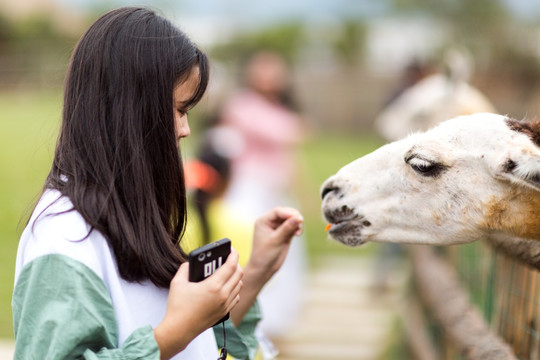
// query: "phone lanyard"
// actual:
[[223, 352]]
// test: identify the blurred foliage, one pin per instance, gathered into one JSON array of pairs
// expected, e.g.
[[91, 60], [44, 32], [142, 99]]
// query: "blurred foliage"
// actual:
[[284, 39], [35, 50], [37, 27], [500, 44], [289, 39], [5, 29], [350, 46], [473, 23], [459, 11]]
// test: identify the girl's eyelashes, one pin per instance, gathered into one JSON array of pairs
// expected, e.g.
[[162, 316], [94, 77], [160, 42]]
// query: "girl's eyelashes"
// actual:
[[182, 112]]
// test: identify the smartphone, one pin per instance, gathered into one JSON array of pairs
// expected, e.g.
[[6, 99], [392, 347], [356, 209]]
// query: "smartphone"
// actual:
[[207, 259]]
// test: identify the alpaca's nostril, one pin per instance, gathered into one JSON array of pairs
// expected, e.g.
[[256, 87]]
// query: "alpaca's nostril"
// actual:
[[327, 190]]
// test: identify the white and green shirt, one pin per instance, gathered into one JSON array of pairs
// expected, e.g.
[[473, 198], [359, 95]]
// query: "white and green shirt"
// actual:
[[69, 301]]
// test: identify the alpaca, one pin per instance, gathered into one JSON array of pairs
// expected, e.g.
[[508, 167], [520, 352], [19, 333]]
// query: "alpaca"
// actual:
[[470, 177], [432, 99]]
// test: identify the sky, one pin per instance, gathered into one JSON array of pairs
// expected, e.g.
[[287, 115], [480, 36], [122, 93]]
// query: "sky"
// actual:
[[251, 11], [263, 11], [524, 8]]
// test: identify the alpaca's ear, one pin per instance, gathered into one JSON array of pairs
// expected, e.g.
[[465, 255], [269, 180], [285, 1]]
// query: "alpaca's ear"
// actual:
[[521, 163], [522, 168]]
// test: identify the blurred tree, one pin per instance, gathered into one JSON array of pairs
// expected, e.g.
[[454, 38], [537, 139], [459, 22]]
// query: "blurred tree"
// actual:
[[350, 45], [34, 51], [284, 39], [477, 25], [6, 30]]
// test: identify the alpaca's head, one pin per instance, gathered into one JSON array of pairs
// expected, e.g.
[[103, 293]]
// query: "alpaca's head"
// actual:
[[427, 103], [469, 177]]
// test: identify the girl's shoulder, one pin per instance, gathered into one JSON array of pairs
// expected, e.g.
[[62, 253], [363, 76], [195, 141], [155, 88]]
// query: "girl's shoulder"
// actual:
[[55, 227]]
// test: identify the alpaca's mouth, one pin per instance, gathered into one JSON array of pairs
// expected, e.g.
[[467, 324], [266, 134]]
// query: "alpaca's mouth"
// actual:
[[348, 229], [347, 234]]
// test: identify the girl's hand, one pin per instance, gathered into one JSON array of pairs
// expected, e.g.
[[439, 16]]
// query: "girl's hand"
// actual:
[[271, 242], [272, 239], [193, 307]]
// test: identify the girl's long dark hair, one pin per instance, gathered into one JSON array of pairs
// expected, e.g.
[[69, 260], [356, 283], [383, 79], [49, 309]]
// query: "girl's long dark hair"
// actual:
[[117, 156]]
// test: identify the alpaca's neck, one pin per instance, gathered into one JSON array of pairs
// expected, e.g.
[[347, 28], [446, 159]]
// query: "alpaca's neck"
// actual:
[[516, 214], [525, 250]]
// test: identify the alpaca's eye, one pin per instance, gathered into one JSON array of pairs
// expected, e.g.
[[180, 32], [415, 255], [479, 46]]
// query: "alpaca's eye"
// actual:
[[421, 165], [425, 167]]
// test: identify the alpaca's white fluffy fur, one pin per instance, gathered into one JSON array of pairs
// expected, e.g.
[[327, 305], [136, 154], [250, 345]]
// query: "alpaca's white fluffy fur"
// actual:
[[467, 178]]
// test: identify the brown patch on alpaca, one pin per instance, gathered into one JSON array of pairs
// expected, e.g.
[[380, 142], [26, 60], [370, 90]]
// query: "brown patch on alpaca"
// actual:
[[529, 128], [517, 213]]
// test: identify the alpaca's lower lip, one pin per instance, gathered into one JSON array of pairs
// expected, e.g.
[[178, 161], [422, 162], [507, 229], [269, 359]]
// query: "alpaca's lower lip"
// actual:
[[341, 227], [348, 232]]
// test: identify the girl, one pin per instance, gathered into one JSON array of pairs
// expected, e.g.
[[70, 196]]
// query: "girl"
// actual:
[[100, 273]]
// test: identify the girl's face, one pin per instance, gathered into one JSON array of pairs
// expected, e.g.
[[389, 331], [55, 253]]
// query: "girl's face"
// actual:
[[181, 96]]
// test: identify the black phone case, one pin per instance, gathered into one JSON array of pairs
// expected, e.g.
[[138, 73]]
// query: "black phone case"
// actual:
[[207, 259]]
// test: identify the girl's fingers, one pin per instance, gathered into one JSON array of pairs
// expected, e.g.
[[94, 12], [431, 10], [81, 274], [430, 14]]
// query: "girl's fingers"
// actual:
[[287, 212], [234, 281], [281, 213], [224, 272], [229, 275], [292, 226], [234, 296], [232, 286], [237, 288], [233, 303]]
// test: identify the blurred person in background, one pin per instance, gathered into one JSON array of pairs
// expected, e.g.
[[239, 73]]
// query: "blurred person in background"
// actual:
[[207, 179], [269, 131]]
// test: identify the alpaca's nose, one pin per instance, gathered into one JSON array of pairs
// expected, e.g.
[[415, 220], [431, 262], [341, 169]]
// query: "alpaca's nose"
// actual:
[[327, 188]]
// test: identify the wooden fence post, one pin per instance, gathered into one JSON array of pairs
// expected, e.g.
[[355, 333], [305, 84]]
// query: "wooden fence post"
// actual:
[[450, 306]]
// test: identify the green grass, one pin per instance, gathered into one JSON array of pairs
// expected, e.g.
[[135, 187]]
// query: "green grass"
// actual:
[[322, 156], [28, 128], [29, 124]]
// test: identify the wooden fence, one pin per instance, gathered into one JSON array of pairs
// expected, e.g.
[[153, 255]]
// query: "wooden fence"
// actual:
[[478, 301]]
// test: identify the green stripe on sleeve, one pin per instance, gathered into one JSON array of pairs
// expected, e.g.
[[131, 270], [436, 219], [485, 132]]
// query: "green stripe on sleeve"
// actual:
[[62, 310]]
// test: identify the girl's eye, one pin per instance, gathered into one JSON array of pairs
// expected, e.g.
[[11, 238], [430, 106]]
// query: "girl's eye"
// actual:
[[182, 112]]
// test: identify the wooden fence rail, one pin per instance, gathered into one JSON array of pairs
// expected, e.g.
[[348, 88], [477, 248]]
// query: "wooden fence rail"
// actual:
[[450, 306], [485, 301]]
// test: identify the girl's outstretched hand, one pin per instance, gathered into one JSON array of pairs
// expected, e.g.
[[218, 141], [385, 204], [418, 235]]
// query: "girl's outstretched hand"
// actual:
[[193, 307], [271, 242], [272, 238]]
